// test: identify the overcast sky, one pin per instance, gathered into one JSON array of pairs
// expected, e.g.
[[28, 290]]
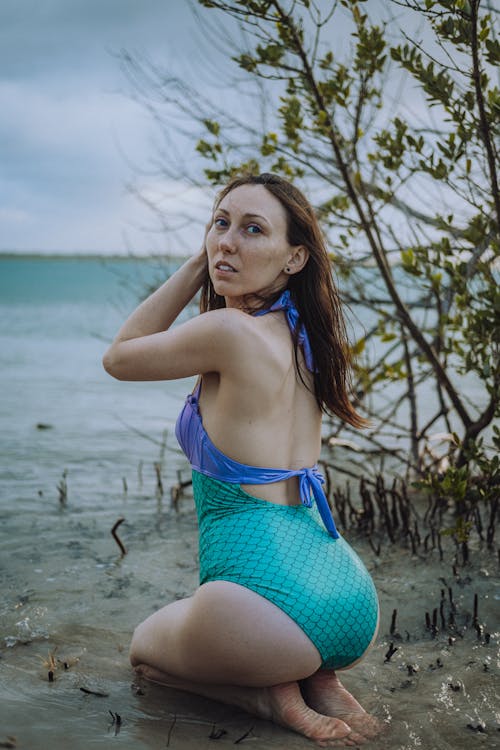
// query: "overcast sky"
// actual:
[[71, 135], [68, 126]]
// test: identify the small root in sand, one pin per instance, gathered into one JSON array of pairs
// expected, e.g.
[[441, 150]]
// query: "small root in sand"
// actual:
[[216, 734], [117, 538], [243, 736], [171, 729], [116, 722], [98, 693]]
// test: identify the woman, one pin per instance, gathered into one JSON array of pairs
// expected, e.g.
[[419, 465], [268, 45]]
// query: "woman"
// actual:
[[283, 599]]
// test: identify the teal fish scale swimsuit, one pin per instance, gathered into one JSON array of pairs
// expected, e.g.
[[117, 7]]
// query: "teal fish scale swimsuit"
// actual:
[[293, 556]]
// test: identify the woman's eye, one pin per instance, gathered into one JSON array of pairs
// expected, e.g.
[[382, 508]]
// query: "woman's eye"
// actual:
[[220, 222], [254, 229]]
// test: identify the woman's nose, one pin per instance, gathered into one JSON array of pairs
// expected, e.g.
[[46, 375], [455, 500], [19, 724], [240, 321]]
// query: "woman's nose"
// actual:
[[227, 241]]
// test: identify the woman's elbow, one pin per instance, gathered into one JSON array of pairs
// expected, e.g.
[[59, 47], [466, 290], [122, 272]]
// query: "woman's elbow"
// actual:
[[111, 363]]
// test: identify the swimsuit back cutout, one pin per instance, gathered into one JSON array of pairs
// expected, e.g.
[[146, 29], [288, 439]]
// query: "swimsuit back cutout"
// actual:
[[207, 459]]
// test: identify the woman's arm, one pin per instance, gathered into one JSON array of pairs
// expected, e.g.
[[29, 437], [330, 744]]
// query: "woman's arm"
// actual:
[[156, 313], [160, 309], [212, 342], [147, 348]]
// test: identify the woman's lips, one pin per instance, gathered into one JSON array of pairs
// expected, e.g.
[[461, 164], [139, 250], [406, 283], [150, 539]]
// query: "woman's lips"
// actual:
[[224, 267]]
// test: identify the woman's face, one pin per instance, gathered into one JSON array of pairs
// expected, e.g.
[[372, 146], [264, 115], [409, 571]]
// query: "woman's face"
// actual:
[[247, 244]]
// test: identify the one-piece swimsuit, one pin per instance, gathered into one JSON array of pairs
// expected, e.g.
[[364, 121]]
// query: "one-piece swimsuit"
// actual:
[[292, 555]]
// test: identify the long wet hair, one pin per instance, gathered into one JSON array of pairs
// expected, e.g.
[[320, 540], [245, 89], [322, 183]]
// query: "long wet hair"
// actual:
[[314, 294]]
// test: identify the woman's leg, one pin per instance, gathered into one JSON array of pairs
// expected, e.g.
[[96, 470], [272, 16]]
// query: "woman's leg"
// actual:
[[225, 634], [230, 644]]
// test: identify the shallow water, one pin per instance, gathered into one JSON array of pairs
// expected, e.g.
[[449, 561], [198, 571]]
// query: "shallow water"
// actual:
[[67, 588]]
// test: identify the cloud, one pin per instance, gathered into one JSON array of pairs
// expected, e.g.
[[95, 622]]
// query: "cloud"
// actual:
[[67, 132], [119, 224], [14, 215]]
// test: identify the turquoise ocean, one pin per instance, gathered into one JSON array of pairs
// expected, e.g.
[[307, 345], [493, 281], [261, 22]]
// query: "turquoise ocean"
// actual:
[[60, 410]]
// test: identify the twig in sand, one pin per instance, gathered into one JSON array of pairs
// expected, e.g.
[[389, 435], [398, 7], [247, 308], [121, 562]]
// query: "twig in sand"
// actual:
[[434, 622], [171, 729], [481, 727], [390, 653], [474, 617], [450, 597], [376, 549], [98, 693], [159, 483], [243, 736], [441, 613], [163, 447], [393, 621], [216, 734], [51, 664], [117, 538], [177, 489], [117, 722], [63, 489]]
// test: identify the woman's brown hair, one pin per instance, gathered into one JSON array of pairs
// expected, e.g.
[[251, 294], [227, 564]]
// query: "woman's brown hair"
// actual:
[[314, 294]]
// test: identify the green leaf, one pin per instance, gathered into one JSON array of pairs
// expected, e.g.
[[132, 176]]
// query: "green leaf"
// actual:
[[358, 347], [493, 54], [212, 126]]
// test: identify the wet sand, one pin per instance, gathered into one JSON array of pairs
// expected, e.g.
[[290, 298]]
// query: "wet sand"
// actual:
[[68, 592]]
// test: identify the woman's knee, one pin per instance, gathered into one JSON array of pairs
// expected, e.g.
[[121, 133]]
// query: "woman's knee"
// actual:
[[157, 640], [137, 646]]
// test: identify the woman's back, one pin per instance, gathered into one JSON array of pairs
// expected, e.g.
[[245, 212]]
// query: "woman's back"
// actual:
[[263, 414]]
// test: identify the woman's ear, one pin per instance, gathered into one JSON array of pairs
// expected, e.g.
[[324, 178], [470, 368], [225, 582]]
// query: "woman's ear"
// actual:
[[297, 259]]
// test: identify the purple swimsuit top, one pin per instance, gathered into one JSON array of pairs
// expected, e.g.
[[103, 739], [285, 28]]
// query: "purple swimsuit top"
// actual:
[[206, 458]]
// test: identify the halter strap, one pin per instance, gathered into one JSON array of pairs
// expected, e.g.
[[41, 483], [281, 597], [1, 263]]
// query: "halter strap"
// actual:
[[285, 303]]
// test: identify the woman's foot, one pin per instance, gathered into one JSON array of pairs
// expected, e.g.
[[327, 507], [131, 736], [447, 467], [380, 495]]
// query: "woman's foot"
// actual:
[[324, 692], [289, 709], [282, 704]]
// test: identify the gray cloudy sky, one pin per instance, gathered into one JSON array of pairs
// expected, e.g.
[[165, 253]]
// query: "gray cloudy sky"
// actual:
[[67, 125], [71, 135]]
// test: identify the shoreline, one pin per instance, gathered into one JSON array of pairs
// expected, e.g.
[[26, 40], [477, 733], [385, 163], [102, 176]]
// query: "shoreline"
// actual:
[[69, 256]]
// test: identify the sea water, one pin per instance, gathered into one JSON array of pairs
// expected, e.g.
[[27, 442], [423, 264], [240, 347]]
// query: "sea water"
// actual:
[[60, 410]]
